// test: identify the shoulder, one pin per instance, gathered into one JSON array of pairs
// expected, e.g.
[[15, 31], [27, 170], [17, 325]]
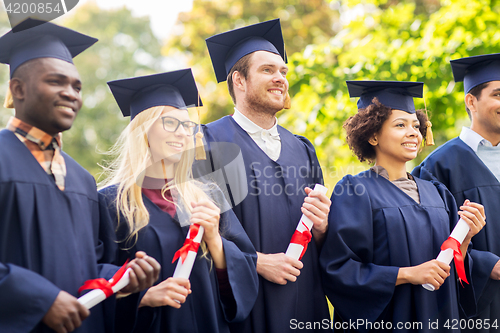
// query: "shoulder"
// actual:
[[447, 149]]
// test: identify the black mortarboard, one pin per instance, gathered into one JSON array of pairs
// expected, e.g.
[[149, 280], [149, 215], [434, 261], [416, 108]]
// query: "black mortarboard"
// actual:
[[476, 70], [134, 95], [228, 47], [397, 95], [32, 39]]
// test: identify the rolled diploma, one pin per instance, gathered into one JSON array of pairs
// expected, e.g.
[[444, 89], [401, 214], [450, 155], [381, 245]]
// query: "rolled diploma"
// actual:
[[446, 256], [183, 269], [294, 250], [96, 296]]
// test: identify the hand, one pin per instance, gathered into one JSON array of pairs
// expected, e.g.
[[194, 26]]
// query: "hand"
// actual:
[[473, 214], [171, 292], [433, 272], [66, 313], [316, 207], [278, 267], [207, 214], [495, 272], [144, 273]]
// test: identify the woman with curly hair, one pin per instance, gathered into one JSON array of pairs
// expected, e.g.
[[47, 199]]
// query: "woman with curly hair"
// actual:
[[151, 195], [386, 226]]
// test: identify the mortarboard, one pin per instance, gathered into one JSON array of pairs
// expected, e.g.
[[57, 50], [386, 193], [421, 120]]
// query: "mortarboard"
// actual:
[[476, 70], [32, 39], [397, 95], [134, 95], [228, 47]]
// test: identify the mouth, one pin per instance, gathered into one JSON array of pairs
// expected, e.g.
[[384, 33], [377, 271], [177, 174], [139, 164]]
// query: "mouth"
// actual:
[[276, 91], [410, 145], [175, 145], [65, 108]]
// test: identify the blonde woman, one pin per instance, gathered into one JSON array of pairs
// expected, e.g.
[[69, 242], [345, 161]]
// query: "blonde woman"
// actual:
[[150, 194]]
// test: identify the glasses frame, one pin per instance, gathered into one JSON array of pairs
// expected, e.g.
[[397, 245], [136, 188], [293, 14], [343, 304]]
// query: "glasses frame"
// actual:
[[187, 129]]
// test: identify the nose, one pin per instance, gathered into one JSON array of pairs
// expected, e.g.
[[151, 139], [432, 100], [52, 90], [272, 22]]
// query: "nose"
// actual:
[[181, 131], [278, 77], [70, 93]]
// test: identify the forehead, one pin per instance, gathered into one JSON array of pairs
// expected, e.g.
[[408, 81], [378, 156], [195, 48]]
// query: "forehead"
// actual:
[[399, 114], [48, 66], [493, 85], [175, 113], [260, 58]]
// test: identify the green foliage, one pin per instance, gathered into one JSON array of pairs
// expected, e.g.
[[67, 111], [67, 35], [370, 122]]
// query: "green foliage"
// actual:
[[303, 22], [379, 42]]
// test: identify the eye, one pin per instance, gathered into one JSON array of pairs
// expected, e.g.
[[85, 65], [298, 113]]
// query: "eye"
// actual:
[[168, 121], [417, 126], [400, 125], [267, 70], [284, 73]]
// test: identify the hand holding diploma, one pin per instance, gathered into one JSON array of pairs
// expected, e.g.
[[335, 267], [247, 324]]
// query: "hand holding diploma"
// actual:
[[314, 217], [132, 277], [472, 220]]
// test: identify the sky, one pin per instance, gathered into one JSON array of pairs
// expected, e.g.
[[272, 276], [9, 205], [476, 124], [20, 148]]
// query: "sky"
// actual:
[[163, 13]]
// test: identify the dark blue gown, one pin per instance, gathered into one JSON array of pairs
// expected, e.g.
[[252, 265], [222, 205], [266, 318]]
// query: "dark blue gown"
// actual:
[[374, 229], [204, 310], [269, 214], [457, 166], [50, 240]]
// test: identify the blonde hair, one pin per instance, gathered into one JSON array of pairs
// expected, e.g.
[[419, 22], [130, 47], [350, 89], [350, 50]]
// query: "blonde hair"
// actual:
[[133, 156]]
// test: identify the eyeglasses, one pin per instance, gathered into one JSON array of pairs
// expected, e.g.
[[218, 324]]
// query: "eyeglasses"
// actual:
[[171, 124]]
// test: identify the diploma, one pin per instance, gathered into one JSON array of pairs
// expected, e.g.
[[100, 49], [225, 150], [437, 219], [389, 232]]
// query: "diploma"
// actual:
[[187, 253], [451, 249], [302, 235], [102, 288]]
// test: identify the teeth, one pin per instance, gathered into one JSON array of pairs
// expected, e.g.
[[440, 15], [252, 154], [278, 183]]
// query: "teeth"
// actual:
[[276, 91], [64, 108], [410, 145], [174, 144]]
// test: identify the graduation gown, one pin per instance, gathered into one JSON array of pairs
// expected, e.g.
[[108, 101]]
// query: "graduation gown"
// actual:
[[458, 167], [269, 214], [374, 229], [50, 240], [204, 310]]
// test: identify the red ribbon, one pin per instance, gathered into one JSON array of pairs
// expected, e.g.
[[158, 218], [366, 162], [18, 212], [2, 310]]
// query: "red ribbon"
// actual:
[[103, 284], [189, 244], [302, 238], [452, 243]]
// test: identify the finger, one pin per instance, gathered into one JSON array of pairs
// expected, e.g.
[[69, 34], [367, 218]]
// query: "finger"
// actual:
[[155, 265], [308, 190], [182, 282], [68, 324], [317, 209], [472, 210], [313, 217], [133, 283], [471, 219], [318, 196]]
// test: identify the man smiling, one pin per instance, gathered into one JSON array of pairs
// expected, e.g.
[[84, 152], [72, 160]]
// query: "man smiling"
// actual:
[[51, 234], [470, 167], [279, 167]]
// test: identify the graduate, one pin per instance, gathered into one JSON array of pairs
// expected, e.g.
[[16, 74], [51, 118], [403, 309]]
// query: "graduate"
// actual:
[[52, 235], [387, 226], [153, 199], [279, 169], [469, 166]]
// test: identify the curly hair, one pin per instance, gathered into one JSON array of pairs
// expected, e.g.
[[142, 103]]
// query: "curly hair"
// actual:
[[368, 121]]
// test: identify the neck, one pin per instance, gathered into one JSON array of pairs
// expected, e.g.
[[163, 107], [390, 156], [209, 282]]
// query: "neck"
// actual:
[[265, 120], [161, 170], [492, 137], [395, 170]]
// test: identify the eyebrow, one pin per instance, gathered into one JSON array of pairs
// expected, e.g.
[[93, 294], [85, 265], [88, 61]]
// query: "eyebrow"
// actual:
[[405, 120], [273, 65], [63, 76], [495, 90]]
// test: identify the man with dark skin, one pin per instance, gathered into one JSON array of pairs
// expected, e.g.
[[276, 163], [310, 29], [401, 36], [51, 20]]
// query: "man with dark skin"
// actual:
[[46, 94]]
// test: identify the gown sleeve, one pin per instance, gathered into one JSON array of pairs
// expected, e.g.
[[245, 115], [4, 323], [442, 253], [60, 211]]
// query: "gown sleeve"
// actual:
[[356, 287]]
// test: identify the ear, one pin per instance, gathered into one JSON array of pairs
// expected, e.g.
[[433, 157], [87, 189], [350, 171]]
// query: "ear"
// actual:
[[373, 140], [239, 81], [470, 102], [17, 88]]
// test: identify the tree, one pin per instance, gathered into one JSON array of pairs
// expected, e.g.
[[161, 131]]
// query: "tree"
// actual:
[[303, 22], [392, 43]]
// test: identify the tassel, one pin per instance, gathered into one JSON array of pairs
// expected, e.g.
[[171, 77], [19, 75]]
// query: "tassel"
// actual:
[[9, 100], [288, 101], [429, 137], [200, 153]]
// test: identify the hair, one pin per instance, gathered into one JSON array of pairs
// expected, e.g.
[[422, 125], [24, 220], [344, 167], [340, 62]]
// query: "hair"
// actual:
[[476, 92], [242, 67], [368, 121], [133, 156]]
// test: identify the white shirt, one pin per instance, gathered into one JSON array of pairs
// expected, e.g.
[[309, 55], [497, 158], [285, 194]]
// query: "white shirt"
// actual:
[[487, 153], [473, 140], [268, 140]]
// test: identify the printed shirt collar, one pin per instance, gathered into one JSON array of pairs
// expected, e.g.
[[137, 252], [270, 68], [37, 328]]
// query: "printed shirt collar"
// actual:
[[251, 127], [42, 139], [473, 139]]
